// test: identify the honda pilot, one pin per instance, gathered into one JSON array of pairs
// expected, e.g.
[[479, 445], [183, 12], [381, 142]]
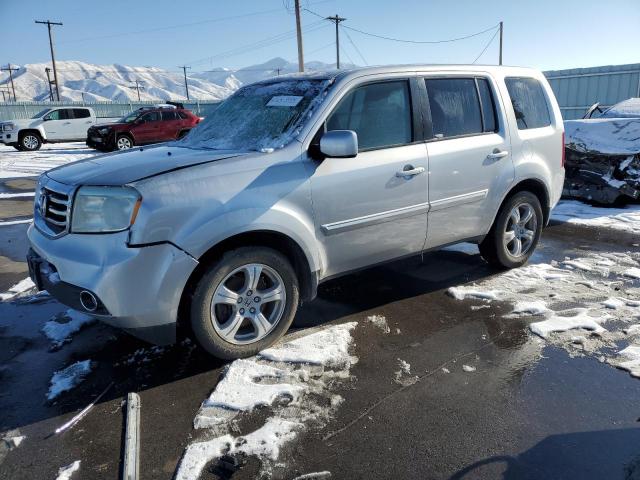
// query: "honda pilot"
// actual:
[[292, 181]]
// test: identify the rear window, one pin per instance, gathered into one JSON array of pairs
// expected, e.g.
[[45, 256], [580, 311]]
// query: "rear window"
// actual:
[[455, 107], [81, 113], [529, 102], [168, 115]]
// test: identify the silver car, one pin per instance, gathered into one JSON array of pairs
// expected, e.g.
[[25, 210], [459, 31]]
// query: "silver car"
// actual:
[[292, 181]]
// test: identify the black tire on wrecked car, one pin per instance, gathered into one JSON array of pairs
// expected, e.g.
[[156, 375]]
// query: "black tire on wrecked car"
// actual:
[[244, 302], [515, 232]]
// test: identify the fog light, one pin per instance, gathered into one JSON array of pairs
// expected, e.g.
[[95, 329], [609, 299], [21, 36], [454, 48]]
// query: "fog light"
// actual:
[[88, 301]]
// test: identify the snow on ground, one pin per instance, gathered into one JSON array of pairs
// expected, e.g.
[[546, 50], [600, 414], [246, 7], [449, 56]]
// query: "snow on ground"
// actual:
[[65, 473], [61, 327], [69, 377], [294, 380], [13, 441], [593, 295], [21, 288], [572, 211], [380, 321], [15, 164]]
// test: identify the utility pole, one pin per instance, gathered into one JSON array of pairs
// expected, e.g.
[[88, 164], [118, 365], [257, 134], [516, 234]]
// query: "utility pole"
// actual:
[[48, 23], [337, 21], [299, 34], [137, 86], [47, 71], [11, 70], [500, 57], [186, 85]]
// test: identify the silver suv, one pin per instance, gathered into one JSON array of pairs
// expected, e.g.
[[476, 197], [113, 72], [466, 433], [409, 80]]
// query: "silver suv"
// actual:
[[292, 181]]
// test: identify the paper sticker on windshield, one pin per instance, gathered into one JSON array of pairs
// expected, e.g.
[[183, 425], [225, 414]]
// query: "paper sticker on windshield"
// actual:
[[284, 101]]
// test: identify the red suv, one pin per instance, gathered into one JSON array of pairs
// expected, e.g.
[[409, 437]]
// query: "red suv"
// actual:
[[143, 126]]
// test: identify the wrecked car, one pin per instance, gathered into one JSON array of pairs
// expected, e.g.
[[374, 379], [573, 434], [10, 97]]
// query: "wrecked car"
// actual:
[[603, 157]]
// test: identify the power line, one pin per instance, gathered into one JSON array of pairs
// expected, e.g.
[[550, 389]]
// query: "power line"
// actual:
[[355, 47], [170, 27], [383, 37], [486, 46]]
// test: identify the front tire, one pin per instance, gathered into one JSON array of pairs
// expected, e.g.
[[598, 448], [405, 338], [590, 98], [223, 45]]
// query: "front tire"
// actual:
[[123, 142], [29, 142], [515, 232], [244, 302]]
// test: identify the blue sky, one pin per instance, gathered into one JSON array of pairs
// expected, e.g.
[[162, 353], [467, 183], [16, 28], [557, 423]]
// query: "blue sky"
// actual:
[[544, 34]]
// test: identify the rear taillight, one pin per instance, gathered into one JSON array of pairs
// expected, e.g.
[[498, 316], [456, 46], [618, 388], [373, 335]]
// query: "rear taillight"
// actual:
[[563, 151]]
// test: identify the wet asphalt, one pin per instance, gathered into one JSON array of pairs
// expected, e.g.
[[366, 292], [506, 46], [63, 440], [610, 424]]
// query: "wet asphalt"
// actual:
[[529, 411]]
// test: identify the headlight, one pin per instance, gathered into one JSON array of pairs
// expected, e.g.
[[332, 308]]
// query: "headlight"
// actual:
[[7, 127], [103, 130], [104, 209]]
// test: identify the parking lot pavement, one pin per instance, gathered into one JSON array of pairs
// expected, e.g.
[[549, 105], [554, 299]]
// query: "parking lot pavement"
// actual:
[[442, 387]]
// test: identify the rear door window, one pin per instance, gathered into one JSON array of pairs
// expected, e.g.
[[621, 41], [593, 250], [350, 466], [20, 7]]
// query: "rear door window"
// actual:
[[488, 105], [455, 107], [529, 102], [81, 113], [380, 113], [168, 115]]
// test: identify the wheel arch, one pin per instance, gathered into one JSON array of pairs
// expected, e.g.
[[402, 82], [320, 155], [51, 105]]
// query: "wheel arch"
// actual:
[[282, 243], [535, 186], [35, 131]]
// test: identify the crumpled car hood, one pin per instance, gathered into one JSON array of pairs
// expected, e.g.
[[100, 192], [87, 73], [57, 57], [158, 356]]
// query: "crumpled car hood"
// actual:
[[125, 167], [608, 136]]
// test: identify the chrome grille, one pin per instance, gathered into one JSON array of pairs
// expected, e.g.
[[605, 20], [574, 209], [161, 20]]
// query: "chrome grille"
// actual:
[[54, 209]]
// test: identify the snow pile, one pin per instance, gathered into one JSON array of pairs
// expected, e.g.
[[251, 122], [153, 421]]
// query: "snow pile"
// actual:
[[293, 381], [557, 323], [15, 164], [572, 211], [20, 289], [61, 327], [608, 136], [65, 473], [403, 376], [379, 321], [68, 378]]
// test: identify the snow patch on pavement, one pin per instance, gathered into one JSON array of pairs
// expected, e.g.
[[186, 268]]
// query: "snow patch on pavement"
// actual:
[[264, 442], [65, 473], [61, 327], [20, 289], [573, 211], [468, 368], [379, 321], [460, 293], [68, 378], [557, 323], [15, 164], [629, 359], [293, 380]]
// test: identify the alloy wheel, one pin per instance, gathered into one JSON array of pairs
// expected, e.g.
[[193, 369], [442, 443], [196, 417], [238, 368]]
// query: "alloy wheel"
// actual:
[[520, 230], [248, 304], [30, 142], [123, 143]]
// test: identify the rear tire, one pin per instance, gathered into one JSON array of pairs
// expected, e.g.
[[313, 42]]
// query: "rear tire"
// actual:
[[244, 302], [515, 232], [29, 142]]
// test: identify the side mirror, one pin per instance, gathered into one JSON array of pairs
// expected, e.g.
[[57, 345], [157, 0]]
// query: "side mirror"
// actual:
[[339, 144]]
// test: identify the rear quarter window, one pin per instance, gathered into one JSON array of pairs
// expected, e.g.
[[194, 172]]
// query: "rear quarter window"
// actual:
[[529, 102]]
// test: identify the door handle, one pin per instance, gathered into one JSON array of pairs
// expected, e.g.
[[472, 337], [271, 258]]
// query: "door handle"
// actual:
[[410, 171], [89, 122], [498, 154], [67, 123]]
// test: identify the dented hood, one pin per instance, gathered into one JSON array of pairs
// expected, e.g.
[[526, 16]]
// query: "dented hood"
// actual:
[[125, 167]]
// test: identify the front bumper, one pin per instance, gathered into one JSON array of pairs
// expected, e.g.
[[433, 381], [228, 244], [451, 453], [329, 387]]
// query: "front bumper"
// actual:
[[101, 141], [138, 289]]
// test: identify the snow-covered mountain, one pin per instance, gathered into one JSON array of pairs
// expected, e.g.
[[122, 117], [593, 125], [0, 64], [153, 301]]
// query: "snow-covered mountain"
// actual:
[[117, 82]]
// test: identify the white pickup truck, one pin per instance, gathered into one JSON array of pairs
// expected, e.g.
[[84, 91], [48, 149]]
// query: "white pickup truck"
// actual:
[[51, 125]]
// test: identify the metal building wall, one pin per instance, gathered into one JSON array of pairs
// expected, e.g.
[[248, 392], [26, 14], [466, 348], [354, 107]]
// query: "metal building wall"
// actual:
[[578, 88]]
